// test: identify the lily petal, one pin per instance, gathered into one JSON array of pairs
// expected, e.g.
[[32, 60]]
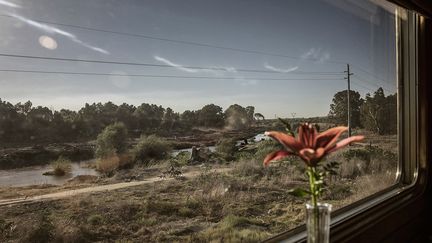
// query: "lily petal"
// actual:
[[286, 140], [328, 138], [311, 154], [345, 142], [276, 156], [307, 134]]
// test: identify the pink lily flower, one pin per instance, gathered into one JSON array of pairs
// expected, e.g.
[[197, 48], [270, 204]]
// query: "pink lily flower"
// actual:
[[309, 145]]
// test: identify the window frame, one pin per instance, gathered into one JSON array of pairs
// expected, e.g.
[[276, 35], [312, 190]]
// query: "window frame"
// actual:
[[378, 216]]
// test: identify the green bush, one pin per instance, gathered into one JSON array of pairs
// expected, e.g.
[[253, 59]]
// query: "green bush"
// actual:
[[265, 147], [151, 148], [182, 158], [112, 140], [61, 166]]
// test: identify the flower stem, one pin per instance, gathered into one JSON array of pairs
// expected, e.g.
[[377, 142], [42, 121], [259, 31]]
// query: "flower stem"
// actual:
[[311, 173], [314, 195]]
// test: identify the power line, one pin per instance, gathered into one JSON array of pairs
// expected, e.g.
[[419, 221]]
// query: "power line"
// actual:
[[178, 41], [197, 44], [361, 86], [163, 65], [156, 76], [374, 85], [370, 74], [378, 84]]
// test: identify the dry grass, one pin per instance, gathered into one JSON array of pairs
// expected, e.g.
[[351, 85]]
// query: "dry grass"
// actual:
[[61, 166], [108, 165], [248, 204]]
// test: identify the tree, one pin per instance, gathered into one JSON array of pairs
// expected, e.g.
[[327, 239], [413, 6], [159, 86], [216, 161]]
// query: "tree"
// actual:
[[379, 113], [189, 119], [149, 117], [23, 108], [211, 116], [170, 119], [124, 114], [90, 116], [238, 117], [339, 109], [151, 148], [112, 140], [40, 120], [250, 110], [10, 122]]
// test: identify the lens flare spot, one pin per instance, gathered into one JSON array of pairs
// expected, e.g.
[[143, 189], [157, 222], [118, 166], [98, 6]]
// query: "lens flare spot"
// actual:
[[48, 42]]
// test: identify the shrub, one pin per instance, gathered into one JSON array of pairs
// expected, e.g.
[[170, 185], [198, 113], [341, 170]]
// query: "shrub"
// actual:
[[61, 166], [151, 148], [112, 140], [161, 207], [6, 229], [370, 159], [108, 165], [95, 219], [265, 147], [125, 160], [182, 158], [44, 231], [226, 147], [233, 229], [249, 168], [362, 154], [186, 212]]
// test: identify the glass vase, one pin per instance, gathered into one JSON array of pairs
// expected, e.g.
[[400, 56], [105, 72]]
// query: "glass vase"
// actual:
[[318, 222]]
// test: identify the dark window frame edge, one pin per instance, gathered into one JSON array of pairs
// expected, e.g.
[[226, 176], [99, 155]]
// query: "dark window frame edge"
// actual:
[[361, 220]]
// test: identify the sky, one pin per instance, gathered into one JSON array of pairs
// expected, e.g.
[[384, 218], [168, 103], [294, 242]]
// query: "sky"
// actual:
[[284, 57]]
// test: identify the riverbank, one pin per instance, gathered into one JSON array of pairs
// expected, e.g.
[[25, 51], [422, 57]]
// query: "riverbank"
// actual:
[[19, 157], [12, 158]]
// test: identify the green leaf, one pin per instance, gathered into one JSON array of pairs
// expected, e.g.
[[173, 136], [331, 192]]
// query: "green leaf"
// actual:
[[299, 192], [287, 126]]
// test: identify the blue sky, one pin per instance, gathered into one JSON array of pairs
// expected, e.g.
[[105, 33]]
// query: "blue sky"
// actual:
[[306, 36]]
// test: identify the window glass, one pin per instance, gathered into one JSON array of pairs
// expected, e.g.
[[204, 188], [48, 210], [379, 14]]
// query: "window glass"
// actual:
[[158, 108]]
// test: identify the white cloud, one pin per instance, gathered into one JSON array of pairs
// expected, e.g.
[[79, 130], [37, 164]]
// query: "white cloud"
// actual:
[[175, 65], [216, 70], [269, 67], [9, 4], [316, 54], [228, 69], [53, 30]]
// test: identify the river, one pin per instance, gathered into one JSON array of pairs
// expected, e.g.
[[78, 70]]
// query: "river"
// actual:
[[33, 175]]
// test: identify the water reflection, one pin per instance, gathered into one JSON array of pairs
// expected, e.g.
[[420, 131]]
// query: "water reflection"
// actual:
[[33, 175]]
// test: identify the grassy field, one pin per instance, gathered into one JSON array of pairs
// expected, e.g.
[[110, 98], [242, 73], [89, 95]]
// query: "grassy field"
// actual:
[[243, 203]]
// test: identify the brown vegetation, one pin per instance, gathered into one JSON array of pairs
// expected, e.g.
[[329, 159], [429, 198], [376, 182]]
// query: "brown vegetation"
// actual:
[[246, 203]]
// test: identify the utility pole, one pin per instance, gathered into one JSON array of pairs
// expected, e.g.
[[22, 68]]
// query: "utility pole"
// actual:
[[348, 98]]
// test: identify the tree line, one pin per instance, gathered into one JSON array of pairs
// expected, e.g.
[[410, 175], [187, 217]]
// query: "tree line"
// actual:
[[25, 123], [376, 112]]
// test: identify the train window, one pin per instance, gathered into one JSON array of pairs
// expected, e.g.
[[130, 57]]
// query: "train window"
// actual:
[[144, 120]]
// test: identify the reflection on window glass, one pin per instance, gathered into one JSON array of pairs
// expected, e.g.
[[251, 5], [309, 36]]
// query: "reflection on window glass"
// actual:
[[158, 109]]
